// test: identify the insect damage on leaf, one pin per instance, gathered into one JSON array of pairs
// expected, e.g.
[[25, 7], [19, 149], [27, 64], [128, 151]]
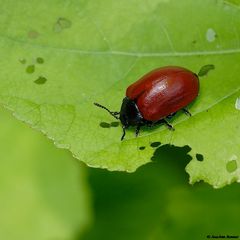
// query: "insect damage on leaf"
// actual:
[[40, 80], [22, 60], [33, 34], [40, 60], [211, 35], [104, 125], [231, 166], [237, 103], [205, 69], [114, 124], [155, 144], [61, 24], [199, 157], [30, 69]]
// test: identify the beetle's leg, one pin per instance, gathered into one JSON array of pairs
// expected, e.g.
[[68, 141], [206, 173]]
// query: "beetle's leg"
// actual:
[[150, 124], [169, 126], [187, 112], [137, 130], [171, 115], [124, 132]]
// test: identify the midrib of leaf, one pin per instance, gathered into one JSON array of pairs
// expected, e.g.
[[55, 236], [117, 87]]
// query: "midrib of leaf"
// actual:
[[123, 53]]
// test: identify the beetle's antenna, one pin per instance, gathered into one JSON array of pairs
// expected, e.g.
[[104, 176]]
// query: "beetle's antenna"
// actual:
[[114, 114]]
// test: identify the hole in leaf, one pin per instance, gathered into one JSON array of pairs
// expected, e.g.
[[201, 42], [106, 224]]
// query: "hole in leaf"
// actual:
[[142, 148], [22, 60], [237, 103], [30, 69], [40, 60], [153, 181], [40, 80], [104, 125], [205, 69], [199, 157], [62, 23], [231, 166], [33, 34], [171, 151], [211, 35], [114, 124], [155, 144]]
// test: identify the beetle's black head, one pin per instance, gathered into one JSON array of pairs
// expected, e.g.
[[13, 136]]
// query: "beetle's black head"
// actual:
[[129, 113]]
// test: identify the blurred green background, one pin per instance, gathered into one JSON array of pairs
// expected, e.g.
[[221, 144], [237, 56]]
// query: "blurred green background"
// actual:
[[47, 194]]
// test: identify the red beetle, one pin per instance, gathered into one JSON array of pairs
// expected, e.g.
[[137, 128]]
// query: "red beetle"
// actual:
[[156, 96]]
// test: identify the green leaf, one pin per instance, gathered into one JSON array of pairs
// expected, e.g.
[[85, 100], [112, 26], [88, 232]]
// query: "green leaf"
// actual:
[[98, 49], [44, 194]]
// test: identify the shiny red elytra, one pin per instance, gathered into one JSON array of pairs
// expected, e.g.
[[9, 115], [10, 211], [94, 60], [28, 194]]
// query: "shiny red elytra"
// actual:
[[156, 97]]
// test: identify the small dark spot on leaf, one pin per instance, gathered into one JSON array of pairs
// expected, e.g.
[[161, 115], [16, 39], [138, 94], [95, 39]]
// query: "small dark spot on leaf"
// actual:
[[40, 80], [62, 23], [33, 34], [114, 124], [30, 69], [104, 125], [199, 157], [155, 144], [40, 60], [142, 148], [22, 60], [205, 69], [231, 166], [194, 41]]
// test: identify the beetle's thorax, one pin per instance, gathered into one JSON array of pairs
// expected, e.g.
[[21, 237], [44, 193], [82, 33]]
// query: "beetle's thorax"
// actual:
[[129, 113]]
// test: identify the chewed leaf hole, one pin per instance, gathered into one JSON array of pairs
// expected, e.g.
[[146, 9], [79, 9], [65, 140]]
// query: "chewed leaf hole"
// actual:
[[40, 80], [211, 35], [237, 103], [33, 34], [30, 69], [167, 151], [199, 157], [205, 69], [155, 144], [231, 166], [142, 148], [114, 124], [104, 125], [108, 125], [22, 60], [40, 60], [62, 23]]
